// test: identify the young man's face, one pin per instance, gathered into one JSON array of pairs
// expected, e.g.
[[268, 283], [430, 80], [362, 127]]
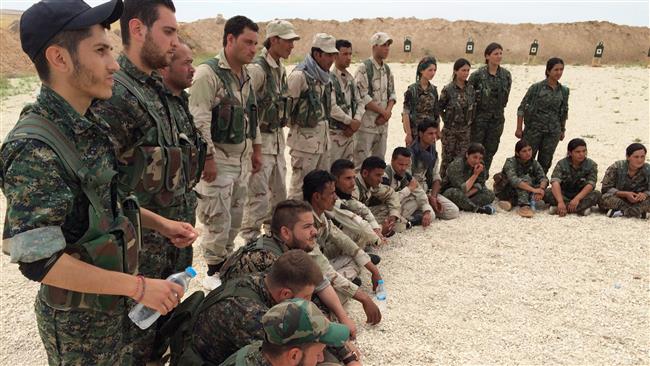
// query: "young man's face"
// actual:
[[343, 58], [372, 177], [579, 154], [243, 46], [325, 200], [381, 51], [282, 47], [474, 159], [312, 355], [303, 234], [429, 136], [180, 71], [345, 182], [324, 60], [161, 40], [401, 165]]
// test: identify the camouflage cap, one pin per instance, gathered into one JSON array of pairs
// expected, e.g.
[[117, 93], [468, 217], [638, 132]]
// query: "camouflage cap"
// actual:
[[282, 29], [298, 321], [380, 38], [325, 42]]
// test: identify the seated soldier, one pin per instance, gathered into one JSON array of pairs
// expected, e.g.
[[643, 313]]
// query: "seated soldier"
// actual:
[[296, 333], [382, 200], [413, 199], [521, 181], [464, 183], [353, 217], [573, 182], [626, 185], [230, 317], [425, 165]]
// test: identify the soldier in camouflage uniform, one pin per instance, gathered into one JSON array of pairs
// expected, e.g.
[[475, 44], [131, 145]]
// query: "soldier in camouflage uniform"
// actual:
[[377, 91], [57, 172], [230, 317], [492, 86], [464, 183], [347, 108], [521, 181], [420, 99], [457, 106], [311, 91], [573, 182], [294, 330], [626, 185], [383, 201], [223, 103], [544, 109], [177, 77], [269, 78]]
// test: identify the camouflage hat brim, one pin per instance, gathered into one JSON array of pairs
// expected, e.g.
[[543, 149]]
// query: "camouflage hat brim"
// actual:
[[336, 335]]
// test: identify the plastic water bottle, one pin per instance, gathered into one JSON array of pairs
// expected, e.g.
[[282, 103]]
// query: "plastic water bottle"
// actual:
[[380, 296], [143, 316], [532, 203]]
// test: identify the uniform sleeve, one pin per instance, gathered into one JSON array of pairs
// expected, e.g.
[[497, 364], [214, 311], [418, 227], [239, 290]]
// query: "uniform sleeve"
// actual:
[[455, 177], [609, 180], [388, 195], [565, 110], [559, 175], [406, 106], [436, 172], [524, 101], [421, 199], [345, 245], [443, 102], [202, 95], [258, 77], [508, 86], [538, 171], [361, 106], [436, 105], [336, 111], [363, 211], [592, 178], [391, 88], [338, 282], [510, 170], [361, 77]]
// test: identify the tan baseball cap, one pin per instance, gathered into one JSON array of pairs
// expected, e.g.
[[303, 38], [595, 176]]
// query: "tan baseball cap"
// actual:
[[325, 42], [380, 38], [282, 29]]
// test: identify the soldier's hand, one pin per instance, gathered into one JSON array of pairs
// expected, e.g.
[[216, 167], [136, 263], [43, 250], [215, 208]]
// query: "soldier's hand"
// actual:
[[539, 196], [413, 184], [161, 295], [426, 219], [209, 170], [519, 133], [387, 114], [631, 197], [350, 324], [387, 227], [380, 120], [435, 204], [355, 124], [181, 234], [478, 169], [641, 196], [375, 277], [373, 315], [573, 205], [562, 136], [561, 209], [348, 132], [408, 139], [256, 160]]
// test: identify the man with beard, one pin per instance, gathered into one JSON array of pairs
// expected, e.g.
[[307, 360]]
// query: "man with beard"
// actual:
[[151, 156], [223, 103], [177, 77], [56, 171], [347, 110], [269, 78]]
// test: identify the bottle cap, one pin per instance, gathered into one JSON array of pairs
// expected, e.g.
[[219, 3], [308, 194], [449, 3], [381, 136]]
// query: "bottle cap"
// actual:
[[380, 282], [190, 271]]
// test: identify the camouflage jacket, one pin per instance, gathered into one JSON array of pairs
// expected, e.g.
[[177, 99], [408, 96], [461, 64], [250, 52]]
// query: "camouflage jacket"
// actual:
[[545, 109], [400, 185], [348, 104], [515, 170], [420, 104], [347, 202], [250, 355], [573, 180], [335, 243], [381, 195], [457, 105], [233, 322], [617, 179], [256, 256], [458, 172], [313, 140], [492, 91], [341, 285], [424, 164], [383, 90]]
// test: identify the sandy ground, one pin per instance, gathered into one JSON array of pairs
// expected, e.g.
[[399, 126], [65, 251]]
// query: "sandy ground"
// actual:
[[483, 290]]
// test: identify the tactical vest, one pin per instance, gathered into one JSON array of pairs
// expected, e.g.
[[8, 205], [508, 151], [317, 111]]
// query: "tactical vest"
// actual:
[[111, 243], [454, 107], [229, 116], [195, 150], [531, 107], [341, 102], [483, 91], [157, 168], [413, 90], [310, 107], [273, 108], [261, 243], [370, 72]]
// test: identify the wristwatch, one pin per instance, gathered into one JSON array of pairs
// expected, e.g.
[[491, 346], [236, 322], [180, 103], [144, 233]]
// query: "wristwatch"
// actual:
[[353, 356]]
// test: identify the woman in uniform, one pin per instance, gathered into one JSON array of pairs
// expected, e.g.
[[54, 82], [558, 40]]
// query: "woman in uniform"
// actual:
[[420, 99], [626, 185]]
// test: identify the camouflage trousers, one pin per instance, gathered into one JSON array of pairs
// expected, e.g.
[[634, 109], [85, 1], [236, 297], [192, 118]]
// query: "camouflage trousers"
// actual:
[[220, 209], [589, 201], [83, 337], [449, 209], [353, 226], [266, 189], [506, 192], [454, 143], [301, 164], [611, 202], [544, 145], [481, 198], [341, 147], [368, 144], [487, 130]]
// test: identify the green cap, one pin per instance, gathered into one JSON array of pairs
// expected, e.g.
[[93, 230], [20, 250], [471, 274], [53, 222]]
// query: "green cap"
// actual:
[[298, 321]]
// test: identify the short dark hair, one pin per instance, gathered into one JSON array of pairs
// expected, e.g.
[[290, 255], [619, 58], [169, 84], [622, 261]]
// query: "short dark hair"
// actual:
[[236, 26], [373, 162], [490, 48], [68, 40], [315, 50], [576, 143], [341, 165], [145, 10], [520, 145], [474, 148], [633, 148], [267, 43], [294, 270], [315, 181], [401, 151], [426, 124], [341, 43], [286, 214], [457, 65]]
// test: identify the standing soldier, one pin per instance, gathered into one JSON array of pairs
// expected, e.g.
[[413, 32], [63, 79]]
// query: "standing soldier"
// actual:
[[311, 92], [492, 86], [57, 170], [269, 78], [420, 99], [347, 110], [222, 101], [177, 77], [151, 156], [377, 90]]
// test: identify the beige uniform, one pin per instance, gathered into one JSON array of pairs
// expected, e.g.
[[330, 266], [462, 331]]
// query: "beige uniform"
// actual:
[[221, 202], [342, 146], [353, 225], [370, 140], [410, 200], [267, 187], [382, 201]]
